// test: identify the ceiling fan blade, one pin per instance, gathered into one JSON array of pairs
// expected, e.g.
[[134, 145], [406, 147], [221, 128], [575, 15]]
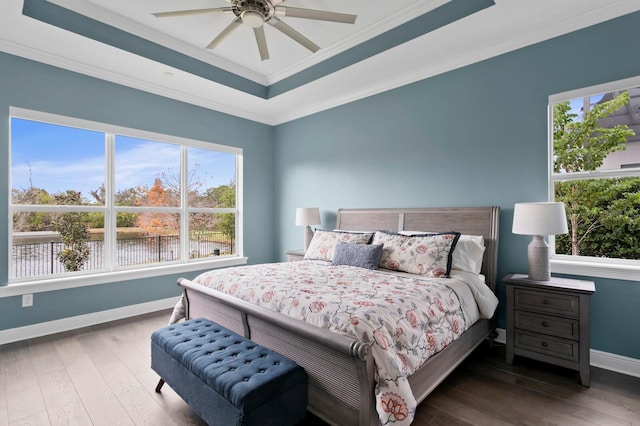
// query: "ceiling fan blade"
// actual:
[[286, 29], [191, 12], [320, 15], [262, 43], [225, 33]]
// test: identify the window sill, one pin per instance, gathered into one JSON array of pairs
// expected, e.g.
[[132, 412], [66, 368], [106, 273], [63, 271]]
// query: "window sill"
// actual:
[[596, 269], [29, 287]]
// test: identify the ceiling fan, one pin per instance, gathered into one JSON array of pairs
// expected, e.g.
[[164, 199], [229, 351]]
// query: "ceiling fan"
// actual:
[[255, 13]]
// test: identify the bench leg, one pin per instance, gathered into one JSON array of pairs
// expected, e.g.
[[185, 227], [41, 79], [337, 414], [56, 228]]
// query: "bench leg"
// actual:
[[159, 385]]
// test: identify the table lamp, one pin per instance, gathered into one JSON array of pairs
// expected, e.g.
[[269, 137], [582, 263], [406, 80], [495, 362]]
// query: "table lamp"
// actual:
[[539, 219], [307, 216]]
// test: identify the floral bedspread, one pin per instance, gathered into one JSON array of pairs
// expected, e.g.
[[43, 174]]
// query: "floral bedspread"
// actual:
[[405, 320]]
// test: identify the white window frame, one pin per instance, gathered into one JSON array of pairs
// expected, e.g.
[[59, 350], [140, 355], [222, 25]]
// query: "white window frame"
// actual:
[[622, 269], [110, 273]]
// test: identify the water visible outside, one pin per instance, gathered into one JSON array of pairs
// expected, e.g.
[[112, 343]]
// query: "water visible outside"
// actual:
[[40, 258]]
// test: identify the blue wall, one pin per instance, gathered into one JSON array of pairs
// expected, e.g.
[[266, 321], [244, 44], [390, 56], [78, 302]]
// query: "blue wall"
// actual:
[[32, 85], [473, 136]]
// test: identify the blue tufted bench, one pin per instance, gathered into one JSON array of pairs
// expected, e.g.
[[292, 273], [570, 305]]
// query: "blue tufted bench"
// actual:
[[227, 379]]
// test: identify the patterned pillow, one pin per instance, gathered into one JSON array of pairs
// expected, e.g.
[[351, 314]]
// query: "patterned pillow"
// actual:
[[428, 255], [468, 253], [360, 255], [323, 244]]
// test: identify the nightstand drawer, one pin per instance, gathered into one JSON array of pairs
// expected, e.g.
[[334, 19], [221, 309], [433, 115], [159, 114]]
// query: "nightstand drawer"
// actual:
[[552, 346], [554, 326], [541, 301]]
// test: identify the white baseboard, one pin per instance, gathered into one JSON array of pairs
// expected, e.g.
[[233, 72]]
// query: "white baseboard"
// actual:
[[600, 359], [72, 323], [606, 360], [617, 363]]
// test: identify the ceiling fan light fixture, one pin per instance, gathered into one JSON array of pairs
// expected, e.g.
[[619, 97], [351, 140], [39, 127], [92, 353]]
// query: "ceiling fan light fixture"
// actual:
[[252, 19], [255, 13]]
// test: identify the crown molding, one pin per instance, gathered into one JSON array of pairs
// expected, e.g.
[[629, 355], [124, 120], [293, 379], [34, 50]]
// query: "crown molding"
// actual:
[[402, 59], [122, 23], [392, 21], [105, 16], [388, 70], [72, 64]]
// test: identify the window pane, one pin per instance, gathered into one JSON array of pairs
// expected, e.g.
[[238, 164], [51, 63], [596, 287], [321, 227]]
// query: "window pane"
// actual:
[[58, 171], [147, 173], [603, 217], [49, 159], [211, 234], [596, 134], [599, 132], [154, 239], [55, 243], [212, 178]]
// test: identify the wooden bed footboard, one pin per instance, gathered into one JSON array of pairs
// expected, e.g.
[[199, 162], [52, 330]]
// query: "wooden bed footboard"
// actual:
[[340, 369]]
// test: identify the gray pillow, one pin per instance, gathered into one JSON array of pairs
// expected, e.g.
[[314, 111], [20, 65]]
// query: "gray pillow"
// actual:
[[360, 255]]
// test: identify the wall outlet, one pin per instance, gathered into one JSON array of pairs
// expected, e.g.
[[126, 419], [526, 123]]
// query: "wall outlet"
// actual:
[[27, 300]]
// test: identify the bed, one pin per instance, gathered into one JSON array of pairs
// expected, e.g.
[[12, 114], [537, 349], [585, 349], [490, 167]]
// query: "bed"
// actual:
[[342, 369]]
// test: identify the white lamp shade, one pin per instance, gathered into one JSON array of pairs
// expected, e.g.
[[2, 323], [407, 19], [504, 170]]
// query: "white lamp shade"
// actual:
[[306, 216], [539, 219]]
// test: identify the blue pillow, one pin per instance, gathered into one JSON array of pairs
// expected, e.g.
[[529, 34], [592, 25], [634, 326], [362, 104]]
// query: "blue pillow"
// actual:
[[360, 255]]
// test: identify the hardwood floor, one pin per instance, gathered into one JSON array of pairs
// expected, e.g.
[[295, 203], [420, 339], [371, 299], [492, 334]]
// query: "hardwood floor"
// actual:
[[101, 376]]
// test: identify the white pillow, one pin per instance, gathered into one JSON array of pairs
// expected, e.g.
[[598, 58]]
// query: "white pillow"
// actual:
[[468, 253]]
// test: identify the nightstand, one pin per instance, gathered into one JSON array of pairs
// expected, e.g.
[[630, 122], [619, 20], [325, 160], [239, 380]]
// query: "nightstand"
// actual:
[[549, 321], [295, 255]]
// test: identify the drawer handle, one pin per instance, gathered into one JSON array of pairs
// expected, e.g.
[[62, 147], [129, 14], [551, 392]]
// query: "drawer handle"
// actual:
[[545, 324], [545, 302], [545, 344]]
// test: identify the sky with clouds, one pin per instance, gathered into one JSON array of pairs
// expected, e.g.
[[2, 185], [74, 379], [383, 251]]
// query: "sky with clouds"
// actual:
[[57, 158]]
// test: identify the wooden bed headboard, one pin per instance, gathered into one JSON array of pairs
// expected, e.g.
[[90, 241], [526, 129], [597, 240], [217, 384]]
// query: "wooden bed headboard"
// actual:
[[466, 220]]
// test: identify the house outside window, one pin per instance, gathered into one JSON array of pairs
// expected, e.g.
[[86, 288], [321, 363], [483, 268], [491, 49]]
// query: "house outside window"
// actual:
[[595, 170], [92, 199]]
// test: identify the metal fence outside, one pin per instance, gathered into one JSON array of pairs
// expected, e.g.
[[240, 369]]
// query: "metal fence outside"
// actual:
[[41, 258]]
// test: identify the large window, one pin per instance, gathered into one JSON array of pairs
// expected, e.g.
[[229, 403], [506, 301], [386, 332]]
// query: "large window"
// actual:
[[595, 171], [88, 198]]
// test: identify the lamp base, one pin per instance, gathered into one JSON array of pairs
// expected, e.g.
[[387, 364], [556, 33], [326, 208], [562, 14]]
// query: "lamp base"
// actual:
[[538, 255], [308, 235]]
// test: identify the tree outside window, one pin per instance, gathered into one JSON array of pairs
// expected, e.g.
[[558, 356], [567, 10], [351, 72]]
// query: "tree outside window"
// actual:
[[596, 164]]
